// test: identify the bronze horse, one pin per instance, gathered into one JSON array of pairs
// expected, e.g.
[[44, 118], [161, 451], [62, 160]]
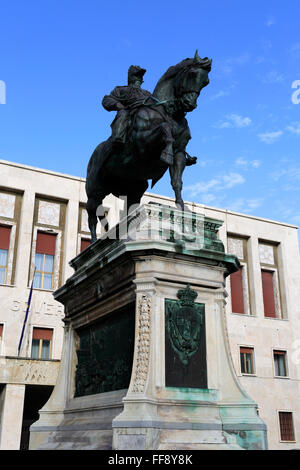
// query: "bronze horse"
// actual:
[[157, 139]]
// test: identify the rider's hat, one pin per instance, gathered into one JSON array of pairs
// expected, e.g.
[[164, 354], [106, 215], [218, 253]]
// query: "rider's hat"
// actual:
[[134, 72]]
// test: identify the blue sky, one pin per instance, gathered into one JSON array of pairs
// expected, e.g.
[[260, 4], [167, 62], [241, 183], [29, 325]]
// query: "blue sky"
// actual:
[[59, 58]]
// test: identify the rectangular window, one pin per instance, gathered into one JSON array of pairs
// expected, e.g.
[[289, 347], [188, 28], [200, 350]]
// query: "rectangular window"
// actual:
[[85, 242], [239, 288], [270, 276], [268, 293], [280, 367], [41, 343], [237, 292], [44, 260], [247, 361], [286, 426], [4, 246], [1, 333]]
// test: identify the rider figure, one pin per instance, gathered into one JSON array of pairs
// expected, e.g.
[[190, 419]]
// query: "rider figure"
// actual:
[[126, 99]]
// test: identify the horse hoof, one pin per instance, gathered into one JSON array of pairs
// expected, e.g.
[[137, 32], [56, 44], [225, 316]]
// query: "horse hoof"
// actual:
[[180, 205]]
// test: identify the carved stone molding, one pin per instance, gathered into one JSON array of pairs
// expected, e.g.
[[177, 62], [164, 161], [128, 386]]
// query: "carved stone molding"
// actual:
[[143, 344]]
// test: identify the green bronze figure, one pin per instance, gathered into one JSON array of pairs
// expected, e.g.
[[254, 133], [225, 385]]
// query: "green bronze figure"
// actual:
[[149, 135]]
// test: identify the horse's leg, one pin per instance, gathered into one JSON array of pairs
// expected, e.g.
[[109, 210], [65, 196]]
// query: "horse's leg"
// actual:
[[91, 207], [134, 197], [167, 153], [176, 171], [146, 136]]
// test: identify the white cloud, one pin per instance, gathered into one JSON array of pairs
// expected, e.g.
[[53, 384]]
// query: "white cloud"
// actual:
[[294, 128], [273, 77], [234, 120], [219, 183], [247, 163], [220, 94], [290, 174], [295, 219], [270, 21], [245, 205], [226, 66], [295, 49], [270, 137]]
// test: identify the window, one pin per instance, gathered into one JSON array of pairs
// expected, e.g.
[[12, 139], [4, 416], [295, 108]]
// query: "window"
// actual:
[[268, 254], [237, 294], [280, 367], [41, 343], [4, 246], [268, 293], [85, 242], [44, 260], [286, 426], [247, 362], [240, 302]]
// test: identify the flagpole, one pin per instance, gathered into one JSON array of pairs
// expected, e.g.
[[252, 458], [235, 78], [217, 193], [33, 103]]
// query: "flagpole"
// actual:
[[26, 314]]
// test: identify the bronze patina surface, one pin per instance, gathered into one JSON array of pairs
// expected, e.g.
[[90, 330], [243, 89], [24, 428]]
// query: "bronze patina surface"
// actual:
[[185, 341]]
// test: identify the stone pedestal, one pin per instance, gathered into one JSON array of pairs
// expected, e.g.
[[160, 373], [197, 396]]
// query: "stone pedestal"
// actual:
[[146, 361]]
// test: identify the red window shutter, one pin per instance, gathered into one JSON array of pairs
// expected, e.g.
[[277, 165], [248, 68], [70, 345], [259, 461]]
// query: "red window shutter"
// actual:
[[268, 293], [84, 244], [1, 330], [246, 350], [237, 294], [286, 426], [45, 243], [4, 237], [42, 333]]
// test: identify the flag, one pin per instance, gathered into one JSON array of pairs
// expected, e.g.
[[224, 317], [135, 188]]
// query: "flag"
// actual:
[[26, 314]]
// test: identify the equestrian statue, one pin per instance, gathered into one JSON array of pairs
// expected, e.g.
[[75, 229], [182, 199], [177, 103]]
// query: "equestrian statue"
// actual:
[[149, 135]]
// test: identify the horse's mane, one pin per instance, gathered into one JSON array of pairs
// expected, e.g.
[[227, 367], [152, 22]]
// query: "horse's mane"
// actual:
[[165, 86]]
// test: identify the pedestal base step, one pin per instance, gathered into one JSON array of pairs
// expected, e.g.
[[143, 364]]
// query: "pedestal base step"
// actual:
[[197, 440]]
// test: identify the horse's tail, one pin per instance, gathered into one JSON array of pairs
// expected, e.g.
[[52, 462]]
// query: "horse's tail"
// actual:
[[95, 171]]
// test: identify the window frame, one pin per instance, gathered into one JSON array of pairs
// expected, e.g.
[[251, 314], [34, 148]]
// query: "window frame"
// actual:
[[276, 293], [279, 427], [252, 374], [1, 337], [39, 358], [43, 272], [4, 266], [11, 249], [82, 237], [245, 285], [277, 277], [244, 262], [56, 261], [274, 350]]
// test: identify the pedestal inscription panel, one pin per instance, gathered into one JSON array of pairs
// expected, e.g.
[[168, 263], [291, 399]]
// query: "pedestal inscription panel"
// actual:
[[105, 354], [185, 342]]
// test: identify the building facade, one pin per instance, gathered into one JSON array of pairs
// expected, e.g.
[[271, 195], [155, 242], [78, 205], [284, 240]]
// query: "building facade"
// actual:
[[43, 225]]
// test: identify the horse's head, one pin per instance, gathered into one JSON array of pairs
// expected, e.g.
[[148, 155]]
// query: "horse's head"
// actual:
[[189, 83], [183, 83]]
